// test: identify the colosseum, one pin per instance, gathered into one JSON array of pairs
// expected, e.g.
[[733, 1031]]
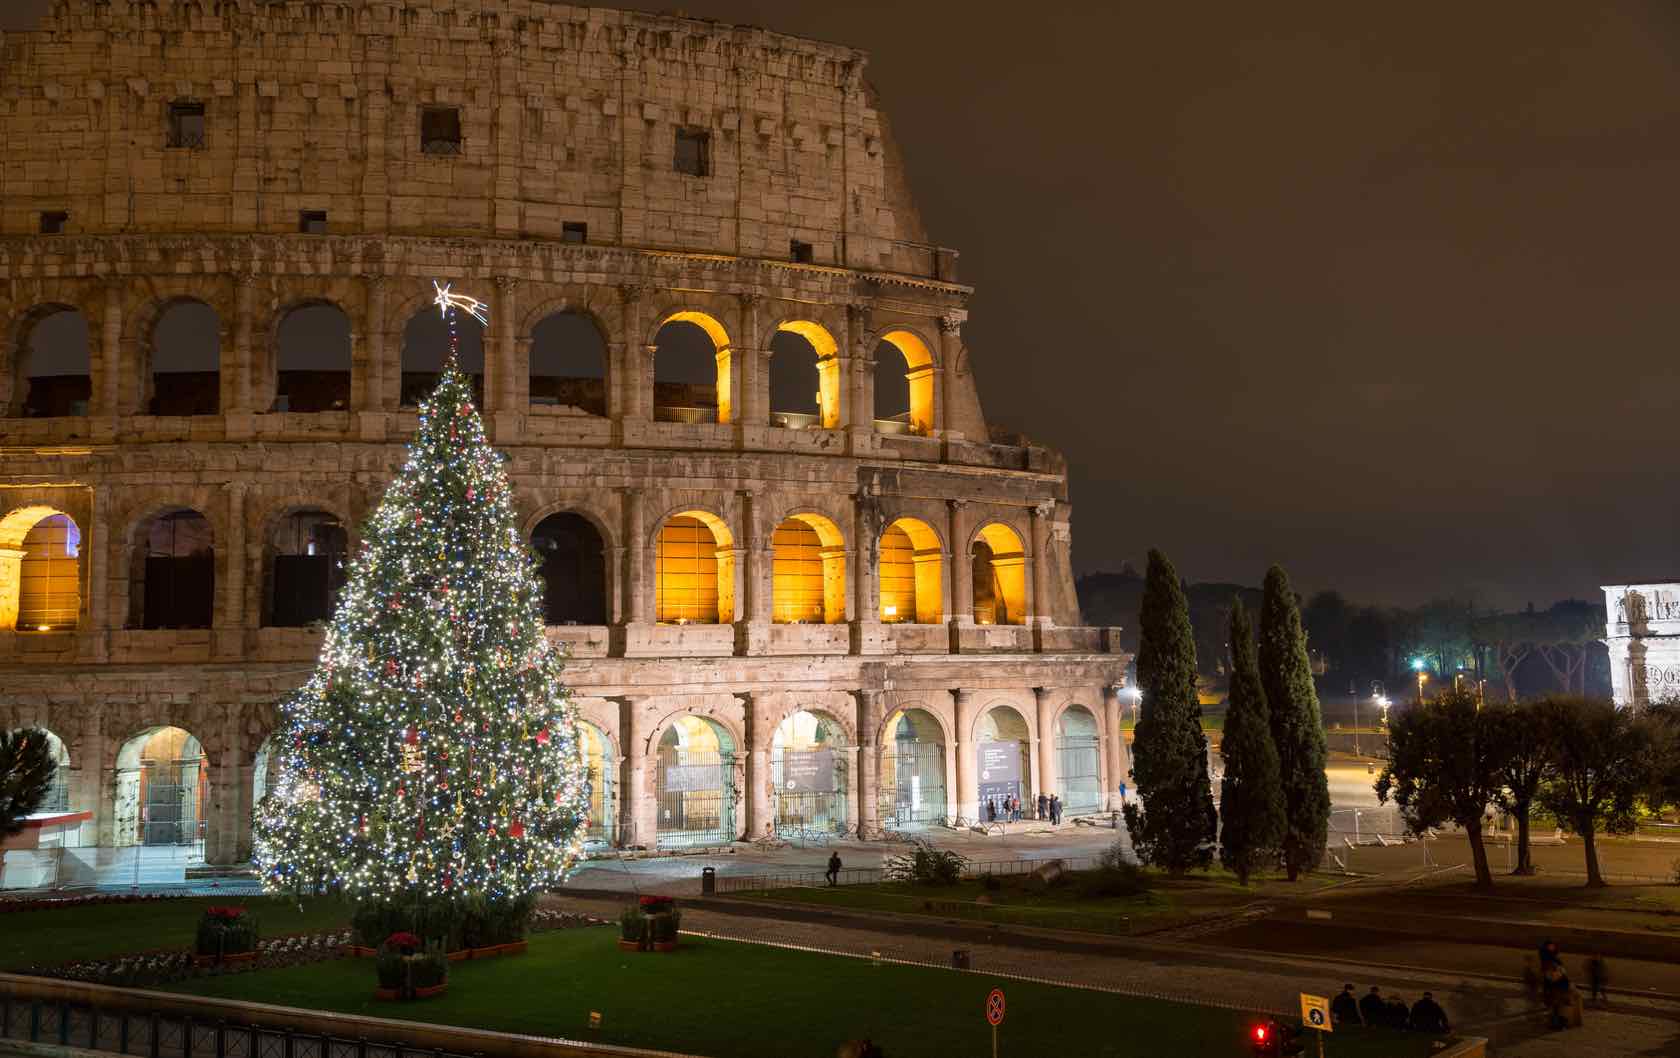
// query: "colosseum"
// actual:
[[803, 585]]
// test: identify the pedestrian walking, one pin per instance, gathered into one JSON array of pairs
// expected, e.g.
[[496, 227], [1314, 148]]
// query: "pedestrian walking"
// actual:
[[1427, 1015], [1372, 1008], [1055, 810], [1344, 1009], [1598, 978], [833, 871], [1041, 806], [1395, 1013], [991, 811]]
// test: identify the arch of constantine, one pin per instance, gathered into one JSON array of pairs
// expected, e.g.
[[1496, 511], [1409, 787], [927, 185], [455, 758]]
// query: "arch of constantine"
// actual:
[[801, 582]]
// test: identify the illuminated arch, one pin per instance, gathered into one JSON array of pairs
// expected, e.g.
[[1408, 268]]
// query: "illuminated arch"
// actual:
[[1002, 723], [999, 564], [694, 570], [911, 779], [161, 789], [40, 570], [600, 762], [694, 783], [911, 571], [723, 351], [809, 772], [1078, 760], [808, 571], [827, 352], [919, 370]]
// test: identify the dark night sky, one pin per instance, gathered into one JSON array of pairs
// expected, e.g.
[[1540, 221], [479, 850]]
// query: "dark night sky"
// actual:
[[1384, 293]]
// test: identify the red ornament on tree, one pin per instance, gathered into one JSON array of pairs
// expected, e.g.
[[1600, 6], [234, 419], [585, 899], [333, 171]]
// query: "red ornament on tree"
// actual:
[[542, 737], [412, 737], [516, 829]]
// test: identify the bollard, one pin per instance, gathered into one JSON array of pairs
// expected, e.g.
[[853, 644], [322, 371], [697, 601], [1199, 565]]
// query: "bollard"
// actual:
[[708, 881], [959, 959]]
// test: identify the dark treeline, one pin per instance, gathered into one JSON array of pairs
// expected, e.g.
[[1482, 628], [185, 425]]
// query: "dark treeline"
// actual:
[[1515, 654]]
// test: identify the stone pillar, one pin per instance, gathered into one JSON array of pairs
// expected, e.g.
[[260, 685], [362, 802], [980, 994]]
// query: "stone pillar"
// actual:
[[96, 545], [1113, 748], [636, 574], [1046, 756], [1041, 514], [950, 352], [858, 415], [226, 832], [760, 812], [738, 566], [249, 365], [11, 585], [107, 393], [748, 363], [229, 638], [868, 635], [502, 384], [635, 380], [753, 633], [869, 763], [638, 805], [376, 346], [968, 786], [962, 570]]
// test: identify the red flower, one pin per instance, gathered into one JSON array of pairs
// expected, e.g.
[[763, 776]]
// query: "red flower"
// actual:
[[657, 901], [228, 913], [402, 939]]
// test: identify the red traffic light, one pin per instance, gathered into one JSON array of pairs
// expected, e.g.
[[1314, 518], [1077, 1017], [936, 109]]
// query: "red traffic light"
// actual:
[[1259, 1034]]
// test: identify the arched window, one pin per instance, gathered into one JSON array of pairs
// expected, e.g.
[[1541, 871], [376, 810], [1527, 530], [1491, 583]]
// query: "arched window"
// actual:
[[691, 370], [804, 377], [313, 360], [1002, 756], [912, 779], [694, 570], [49, 595], [695, 784], [186, 374], [569, 364], [904, 372], [1078, 767], [161, 783], [912, 578], [58, 789], [574, 570], [808, 774], [1000, 577], [808, 572], [425, 346], [310, 555], [600, 764], [54, 373], [176, 570]]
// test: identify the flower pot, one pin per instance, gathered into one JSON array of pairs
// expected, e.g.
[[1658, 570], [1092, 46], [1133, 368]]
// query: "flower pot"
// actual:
[[431, 990], [387, 993], [487, 952], [664, 945], [629, 945]]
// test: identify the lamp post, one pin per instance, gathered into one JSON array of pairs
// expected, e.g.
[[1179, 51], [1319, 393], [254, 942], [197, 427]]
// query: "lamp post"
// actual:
[[1422, 677]]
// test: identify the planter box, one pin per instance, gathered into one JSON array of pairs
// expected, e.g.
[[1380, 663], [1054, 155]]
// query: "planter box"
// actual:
[[629, 945], [459, 955], [232, 959], [517, 947], [387, 993], [664, 945], [356, 951], [431, 990]]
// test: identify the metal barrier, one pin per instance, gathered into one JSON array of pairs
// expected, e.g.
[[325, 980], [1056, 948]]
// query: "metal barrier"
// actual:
[[738, 883]]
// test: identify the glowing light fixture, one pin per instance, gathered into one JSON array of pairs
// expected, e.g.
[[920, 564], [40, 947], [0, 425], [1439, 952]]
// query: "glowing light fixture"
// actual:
[[447, 299]]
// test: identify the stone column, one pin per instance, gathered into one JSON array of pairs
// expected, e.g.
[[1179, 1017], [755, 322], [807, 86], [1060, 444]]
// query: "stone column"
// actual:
[[968, 787], [635, 382], [376, 347], [869, 762], [748, 365], [950, 352], [1046, 757], [11, 585], [868, 636], [635, 540], [107, 393], [229, 637], [248, 364], [1041, 514], [638, 804], [858, 409], [737, 563], [962, 571], [753, 634], [760, 813], [1113, 748], [502, 383], [96, 545]]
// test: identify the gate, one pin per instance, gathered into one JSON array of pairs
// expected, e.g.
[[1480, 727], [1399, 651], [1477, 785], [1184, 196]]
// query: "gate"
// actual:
[[696, 799], [809, 789], [1080, 780], [912, 784], [169, 815]]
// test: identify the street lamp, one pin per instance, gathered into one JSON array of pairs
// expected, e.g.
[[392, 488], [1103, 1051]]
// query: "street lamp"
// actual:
[[1422, 677], [1136, 696]]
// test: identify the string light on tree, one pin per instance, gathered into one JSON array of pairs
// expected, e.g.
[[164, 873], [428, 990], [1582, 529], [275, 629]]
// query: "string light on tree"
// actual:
[[433, 752]]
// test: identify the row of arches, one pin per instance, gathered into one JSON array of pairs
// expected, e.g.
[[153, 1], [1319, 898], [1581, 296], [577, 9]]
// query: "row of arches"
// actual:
[[312, 363], [305, 554]]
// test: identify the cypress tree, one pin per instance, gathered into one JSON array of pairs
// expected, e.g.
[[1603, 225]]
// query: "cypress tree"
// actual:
[[1250, 797], [1297, 731], [1172, 822]]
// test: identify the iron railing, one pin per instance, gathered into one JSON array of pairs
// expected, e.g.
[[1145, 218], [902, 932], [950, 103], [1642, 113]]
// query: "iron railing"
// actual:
[[737, 883]]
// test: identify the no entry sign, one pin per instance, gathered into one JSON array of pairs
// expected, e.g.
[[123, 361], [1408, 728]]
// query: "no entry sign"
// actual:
[[994, 1007]]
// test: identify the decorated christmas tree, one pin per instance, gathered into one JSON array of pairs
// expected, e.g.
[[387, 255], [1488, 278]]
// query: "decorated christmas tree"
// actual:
[[432, 761]]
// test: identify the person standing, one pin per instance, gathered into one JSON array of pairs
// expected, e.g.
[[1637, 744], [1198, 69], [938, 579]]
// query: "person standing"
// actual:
[[833, 872], [1598, 977], [1371, 1008], [1344, 1009], [1055, 810], [1040, 806], [1427, 1015]]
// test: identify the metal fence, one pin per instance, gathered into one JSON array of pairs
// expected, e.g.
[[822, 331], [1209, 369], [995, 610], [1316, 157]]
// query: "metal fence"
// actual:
[[738, 883]]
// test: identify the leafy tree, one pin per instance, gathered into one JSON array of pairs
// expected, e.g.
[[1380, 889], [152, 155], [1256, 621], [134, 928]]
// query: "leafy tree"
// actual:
[[1250, 798], [1600, 764], [1328, 620], [1172, 822], [1444, 765], [26, 772], [1297, 729], [1521, 729]]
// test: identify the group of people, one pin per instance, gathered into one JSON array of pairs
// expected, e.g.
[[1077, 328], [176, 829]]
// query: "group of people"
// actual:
[[1562, 1002], [1391, 1012], [1010, 809]]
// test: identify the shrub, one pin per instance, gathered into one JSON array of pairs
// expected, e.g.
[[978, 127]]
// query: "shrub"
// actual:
[[225, 931], [664, 926], [633, 925], [926, 865], [990, 882], [391, 968], [430, 969], [1112, 880]]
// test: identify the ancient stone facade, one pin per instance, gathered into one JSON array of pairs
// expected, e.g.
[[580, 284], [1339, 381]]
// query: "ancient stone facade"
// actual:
[[638, 171], [1642, 632]]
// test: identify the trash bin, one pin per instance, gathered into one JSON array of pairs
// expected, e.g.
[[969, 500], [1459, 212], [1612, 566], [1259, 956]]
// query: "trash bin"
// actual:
[[959, 959], [708, 881]]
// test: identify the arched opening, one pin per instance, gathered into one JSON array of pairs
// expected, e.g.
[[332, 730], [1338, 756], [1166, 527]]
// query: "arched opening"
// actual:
[[186, 377], [804, 377], [808, 774], [696, 784], [1002, 757], [904, 372], [425, 347], [999, 563], [1078, 779], [600, 765], [691, 370], [912, 577], [54, 372], [808, 572], [573, 570], [912, 780], [569, 364], [694, 570], [40, 570], [58, 790], [308, 559], [161, 784], [313, 360], [174, 575]]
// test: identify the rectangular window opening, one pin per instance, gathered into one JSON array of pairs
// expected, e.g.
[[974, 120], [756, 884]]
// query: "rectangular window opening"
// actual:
[[312, 221], [574, 231], [801, 252], [53, 222], [186, 125], [440, 130], [693, 155]]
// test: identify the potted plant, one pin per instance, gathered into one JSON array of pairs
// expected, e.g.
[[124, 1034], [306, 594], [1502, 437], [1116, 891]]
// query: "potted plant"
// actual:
[[407, 971], [632, 929], [225, 935], [663, 929], [429, 975]]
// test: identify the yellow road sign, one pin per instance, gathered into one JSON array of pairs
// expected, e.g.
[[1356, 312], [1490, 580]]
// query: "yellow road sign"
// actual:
[[1315, 1012]]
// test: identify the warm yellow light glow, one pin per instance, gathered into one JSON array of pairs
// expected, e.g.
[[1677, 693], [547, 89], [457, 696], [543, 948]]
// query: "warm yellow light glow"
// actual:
[[999, 564], [694, 570], [889, 611], [725, 354], [808, 571], [828, 368], [919, 370], [911, 573], [40, 571]]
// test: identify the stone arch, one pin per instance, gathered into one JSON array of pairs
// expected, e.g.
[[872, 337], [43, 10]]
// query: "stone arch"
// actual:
[[600, 761], [919, 416], [312, 349], [38, 383], [694, 568], [1077, 731], [181, 361], [58, 791], [682, 396], [41, 580], [804, 355], [574, 555], [807, 570], [161, 788], [810, 770], [569, 362], [172, 572], [911, 571], [912, 781], [998, 563], [694, 780], [423, 348], [1003, 771], [305, 554]]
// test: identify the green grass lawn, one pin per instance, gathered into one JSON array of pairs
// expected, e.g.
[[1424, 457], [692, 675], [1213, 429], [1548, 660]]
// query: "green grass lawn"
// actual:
[[721, 998], [51, 937]]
